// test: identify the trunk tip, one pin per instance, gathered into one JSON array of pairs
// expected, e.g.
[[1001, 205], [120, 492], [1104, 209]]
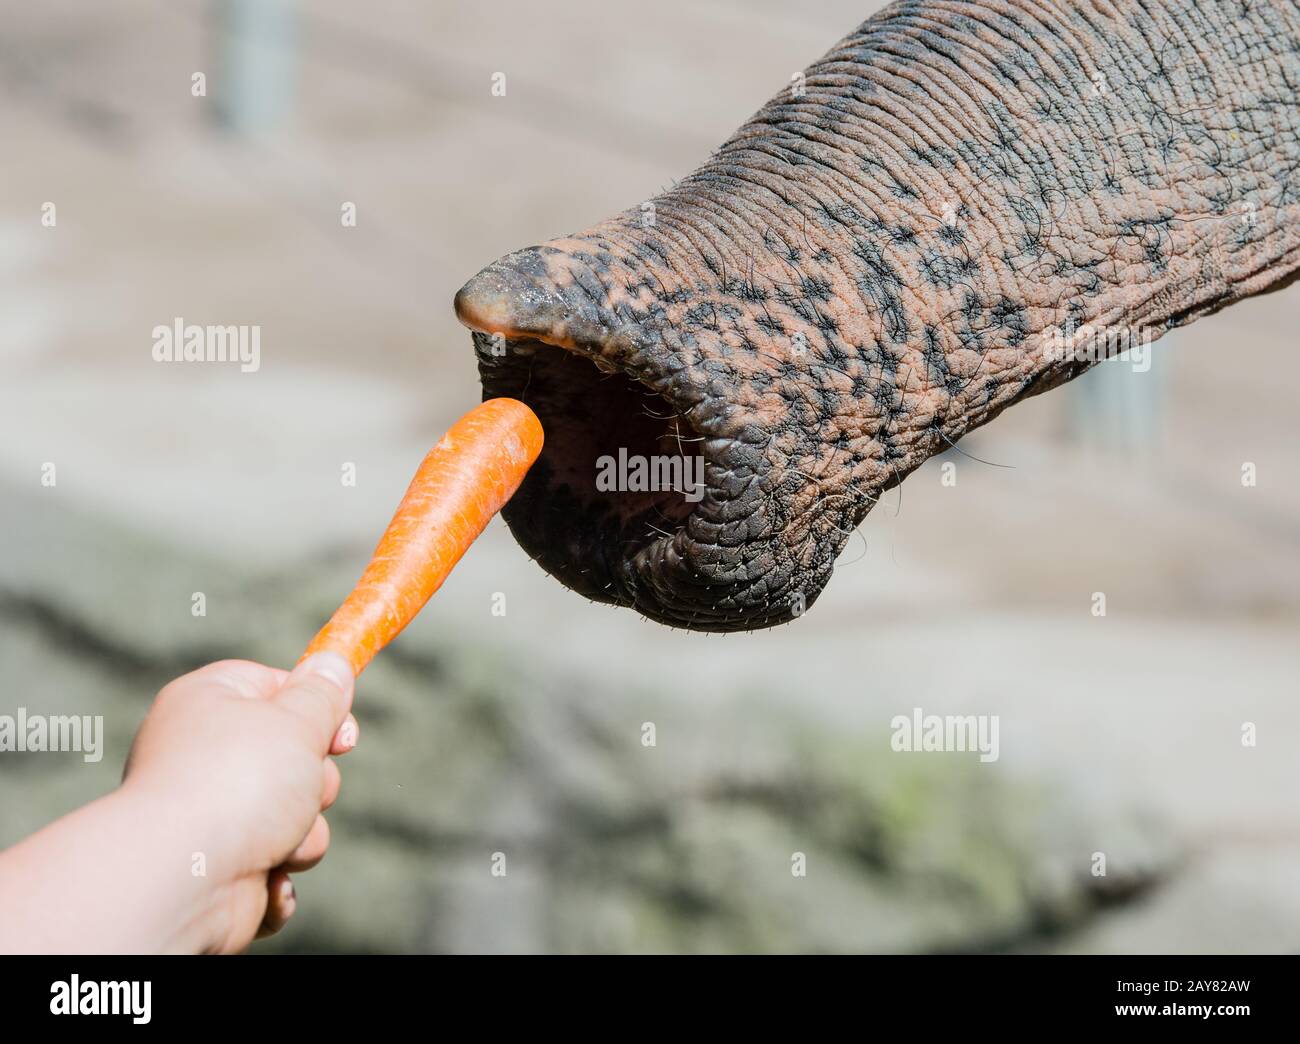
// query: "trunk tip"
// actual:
[[483, 303], [517, 296]]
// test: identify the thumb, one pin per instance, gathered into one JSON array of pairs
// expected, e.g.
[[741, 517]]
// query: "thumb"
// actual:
[[320, 692]]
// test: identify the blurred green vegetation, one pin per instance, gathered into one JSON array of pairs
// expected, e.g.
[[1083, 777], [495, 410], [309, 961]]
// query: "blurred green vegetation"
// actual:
[[609, 844]]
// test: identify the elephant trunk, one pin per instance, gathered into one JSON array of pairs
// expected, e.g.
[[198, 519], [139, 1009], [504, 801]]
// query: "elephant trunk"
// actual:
[[926, 226]]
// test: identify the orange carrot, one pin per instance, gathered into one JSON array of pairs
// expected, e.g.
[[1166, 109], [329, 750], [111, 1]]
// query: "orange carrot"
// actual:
[[465, 480]]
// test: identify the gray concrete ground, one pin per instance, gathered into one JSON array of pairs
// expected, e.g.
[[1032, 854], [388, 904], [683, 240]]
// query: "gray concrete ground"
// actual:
[[974, 597]]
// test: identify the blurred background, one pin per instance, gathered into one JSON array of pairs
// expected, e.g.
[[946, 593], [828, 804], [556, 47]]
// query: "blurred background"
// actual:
[[523, 735]]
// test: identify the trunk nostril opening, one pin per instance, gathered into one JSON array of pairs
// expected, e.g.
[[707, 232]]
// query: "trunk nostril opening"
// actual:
[[615, 449], [649, 491], [622, 467]]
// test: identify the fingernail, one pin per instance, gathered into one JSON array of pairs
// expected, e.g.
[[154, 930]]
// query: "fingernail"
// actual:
[[332, 666], [348, 735], [287, 892]]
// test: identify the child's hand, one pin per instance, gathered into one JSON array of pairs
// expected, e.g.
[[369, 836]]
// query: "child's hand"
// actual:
[[222, 799], [234, 757]]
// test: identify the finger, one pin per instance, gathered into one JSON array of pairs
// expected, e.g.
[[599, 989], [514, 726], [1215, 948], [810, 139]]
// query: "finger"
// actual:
[[346, 738], [330, 783], [254, 681], [320, 691], [312, 849], [281, 901]]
